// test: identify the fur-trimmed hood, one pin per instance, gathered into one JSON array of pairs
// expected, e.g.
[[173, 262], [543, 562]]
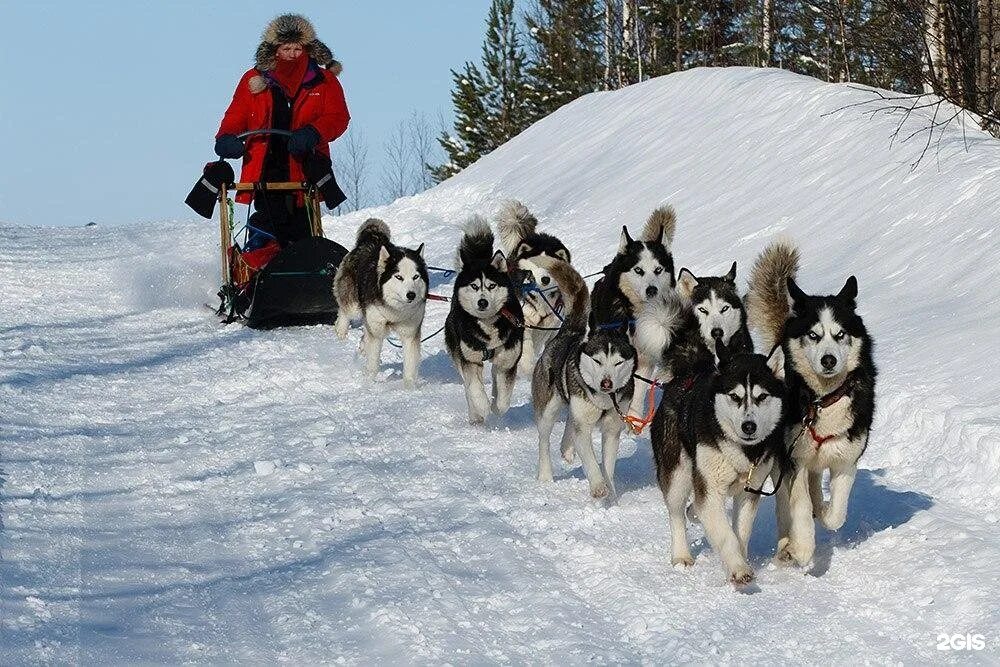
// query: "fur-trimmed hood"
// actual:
[[292, 29]]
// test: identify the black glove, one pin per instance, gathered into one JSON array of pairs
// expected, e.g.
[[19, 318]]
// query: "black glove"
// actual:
[[205, 192], [229, 146], [318, 170], [303, 140]]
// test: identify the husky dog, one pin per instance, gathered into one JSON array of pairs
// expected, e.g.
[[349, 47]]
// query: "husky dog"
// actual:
[[484, 322], [719, 437], [641, 272], [713, 312], [592, 374], [830, 378], [386, 286], [520, 240]]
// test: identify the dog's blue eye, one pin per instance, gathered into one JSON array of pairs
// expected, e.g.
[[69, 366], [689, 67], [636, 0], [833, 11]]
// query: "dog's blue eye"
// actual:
[[760, 399], [703, 311], [814, 336], [736, 398], [639, 271], [475, 288], [399, 278], [839, 337], [491, 286], [724, 309], [658, 270]]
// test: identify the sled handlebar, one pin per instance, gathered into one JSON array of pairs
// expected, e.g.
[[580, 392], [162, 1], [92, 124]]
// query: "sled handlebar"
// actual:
[[251, 133]]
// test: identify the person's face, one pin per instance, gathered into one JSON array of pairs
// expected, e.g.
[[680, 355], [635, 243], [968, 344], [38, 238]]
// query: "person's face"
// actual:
[[289, 51]]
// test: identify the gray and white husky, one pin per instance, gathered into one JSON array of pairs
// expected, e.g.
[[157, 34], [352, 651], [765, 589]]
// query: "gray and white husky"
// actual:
[[830, 378], [521, 241], [592, 375], [386, 286], [720, 437], [484, 322]]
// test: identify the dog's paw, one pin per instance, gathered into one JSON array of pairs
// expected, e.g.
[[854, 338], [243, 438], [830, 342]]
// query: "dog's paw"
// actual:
[[544, 475], [682, 562], [477, 419], [341, 327], [829, 520], [409, 383], [741, 576], [792, 553], [600, 490]]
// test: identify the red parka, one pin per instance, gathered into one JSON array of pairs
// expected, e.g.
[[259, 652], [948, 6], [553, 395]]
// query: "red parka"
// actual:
[[320, 103]]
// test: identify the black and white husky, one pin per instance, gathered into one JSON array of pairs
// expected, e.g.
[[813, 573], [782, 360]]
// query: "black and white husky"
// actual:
[[641, 272], [830, 376], [386, 286], [719, 437], [592, 375], [521, 242], [679, 328], [484, 322]]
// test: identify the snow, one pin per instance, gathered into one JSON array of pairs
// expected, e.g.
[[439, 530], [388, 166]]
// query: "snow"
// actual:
[[176, 490]]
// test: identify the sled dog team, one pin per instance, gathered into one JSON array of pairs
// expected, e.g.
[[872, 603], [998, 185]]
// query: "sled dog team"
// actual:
[[729, 418]]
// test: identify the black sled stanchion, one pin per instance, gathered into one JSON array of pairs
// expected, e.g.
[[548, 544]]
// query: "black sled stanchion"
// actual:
[[295, 287]]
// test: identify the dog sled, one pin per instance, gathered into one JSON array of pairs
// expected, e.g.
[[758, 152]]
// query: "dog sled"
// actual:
[[270, 286]]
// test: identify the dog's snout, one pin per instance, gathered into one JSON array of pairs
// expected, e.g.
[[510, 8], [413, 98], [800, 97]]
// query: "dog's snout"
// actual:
[[828, 361], [651, 291], [749, 428], [546, 280], [482, 304], [410, 296], [717, 333], [607, 384]]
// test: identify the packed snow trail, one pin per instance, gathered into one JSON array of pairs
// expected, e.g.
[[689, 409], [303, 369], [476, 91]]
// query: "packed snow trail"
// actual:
[[177, 490]]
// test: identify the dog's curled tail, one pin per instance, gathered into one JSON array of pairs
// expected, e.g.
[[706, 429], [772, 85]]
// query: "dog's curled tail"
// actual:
[[767, 300], [477, 242], [373, 231], [574, 290], [514, 223], [660, 226]]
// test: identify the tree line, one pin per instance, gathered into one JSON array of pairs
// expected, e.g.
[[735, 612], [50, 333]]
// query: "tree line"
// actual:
[[538, 57]]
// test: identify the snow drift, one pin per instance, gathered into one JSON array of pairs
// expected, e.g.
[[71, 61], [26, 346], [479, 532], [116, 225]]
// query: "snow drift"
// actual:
[[180, 491]]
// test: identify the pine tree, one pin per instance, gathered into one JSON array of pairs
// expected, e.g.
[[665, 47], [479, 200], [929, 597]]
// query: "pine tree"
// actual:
[[566, 61], [505, 94], [490, 104], [470, 139]]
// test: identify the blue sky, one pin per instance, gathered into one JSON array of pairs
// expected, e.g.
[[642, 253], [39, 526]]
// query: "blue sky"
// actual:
[[109, 109]]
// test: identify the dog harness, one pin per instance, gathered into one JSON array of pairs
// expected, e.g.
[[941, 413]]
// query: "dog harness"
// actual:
[[817, 406]]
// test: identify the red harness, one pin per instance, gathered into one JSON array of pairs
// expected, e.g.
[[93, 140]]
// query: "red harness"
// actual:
[[812, 414]]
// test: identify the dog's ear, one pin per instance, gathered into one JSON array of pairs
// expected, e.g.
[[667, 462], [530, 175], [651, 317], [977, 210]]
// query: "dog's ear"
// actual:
[[731, 276], [686, 282], [383, 259], [795, 295], [563, 254], [420, 251], [850, 291], [499, 262], [625, 240], [521, 250], [776, 362]]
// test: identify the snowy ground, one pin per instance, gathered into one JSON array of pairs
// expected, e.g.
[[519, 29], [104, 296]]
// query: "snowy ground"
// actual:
[[176, 490]]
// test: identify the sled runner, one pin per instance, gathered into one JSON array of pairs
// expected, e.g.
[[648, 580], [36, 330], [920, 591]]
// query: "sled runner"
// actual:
[[270, 286]]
